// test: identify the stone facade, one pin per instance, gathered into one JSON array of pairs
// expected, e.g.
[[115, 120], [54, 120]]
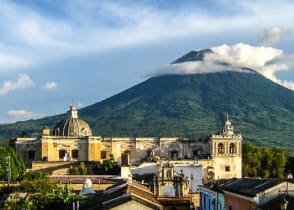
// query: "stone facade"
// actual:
[[72, 140]]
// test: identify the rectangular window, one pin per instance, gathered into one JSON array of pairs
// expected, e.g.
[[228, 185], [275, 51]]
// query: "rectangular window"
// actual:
[[62, 153], [103, 154], [75, 153], [227, 168]]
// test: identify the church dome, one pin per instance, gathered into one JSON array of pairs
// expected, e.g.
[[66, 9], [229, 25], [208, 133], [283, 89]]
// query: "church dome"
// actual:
[[72, 125]]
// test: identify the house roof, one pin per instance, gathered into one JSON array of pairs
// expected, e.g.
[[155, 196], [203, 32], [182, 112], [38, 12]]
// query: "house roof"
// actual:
[[219, 186], [95, 200], [128, 197], [119, 194], [250, 186]]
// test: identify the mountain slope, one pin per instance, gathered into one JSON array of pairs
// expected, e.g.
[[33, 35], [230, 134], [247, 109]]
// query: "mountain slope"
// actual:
[[194, 105], [189, 105]]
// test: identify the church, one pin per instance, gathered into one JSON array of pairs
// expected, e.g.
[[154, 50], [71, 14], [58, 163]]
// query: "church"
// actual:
[[72, 140]]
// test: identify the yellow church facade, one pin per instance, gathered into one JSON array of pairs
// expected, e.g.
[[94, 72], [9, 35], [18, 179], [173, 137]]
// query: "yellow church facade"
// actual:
[[72, 140]]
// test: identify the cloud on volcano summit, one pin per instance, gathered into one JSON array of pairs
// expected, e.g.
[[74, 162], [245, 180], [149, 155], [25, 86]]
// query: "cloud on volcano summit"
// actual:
[[240, 57]]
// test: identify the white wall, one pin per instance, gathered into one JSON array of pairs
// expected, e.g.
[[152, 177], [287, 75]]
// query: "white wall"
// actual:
[[191, 170]]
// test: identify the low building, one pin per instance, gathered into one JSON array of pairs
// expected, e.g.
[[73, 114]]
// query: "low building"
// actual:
[[249, 193]]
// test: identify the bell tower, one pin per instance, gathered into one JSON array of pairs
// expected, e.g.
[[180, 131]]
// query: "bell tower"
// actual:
[[226, 151]]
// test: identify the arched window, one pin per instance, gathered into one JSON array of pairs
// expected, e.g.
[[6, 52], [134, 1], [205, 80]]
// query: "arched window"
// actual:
[[125, 158], [61, 154], [221, 148], [198, 153], [57, 130], [232, 148]]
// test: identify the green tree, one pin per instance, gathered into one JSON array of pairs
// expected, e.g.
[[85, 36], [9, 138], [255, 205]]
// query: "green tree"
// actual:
[[7, 154], [36, 182], [45, 194], [279, 161], [61, 197], [264, 162], [34, 186], [251, 163]]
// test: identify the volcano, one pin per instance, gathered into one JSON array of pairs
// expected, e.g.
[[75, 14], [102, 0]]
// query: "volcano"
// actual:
[[190, 105]]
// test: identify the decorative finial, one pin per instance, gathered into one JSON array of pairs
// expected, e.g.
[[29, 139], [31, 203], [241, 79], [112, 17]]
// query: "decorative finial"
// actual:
[[73, 113]]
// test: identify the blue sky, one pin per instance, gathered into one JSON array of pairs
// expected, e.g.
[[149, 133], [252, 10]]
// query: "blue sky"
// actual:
[[54, 52]]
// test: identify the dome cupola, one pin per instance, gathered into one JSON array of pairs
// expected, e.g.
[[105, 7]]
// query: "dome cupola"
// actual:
[[72, 125]]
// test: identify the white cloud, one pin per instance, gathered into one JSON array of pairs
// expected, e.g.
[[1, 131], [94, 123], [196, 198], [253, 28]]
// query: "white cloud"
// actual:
[[23, 81], [32, 36], [195, 67], [273, 35], [21, 114], [265, 60], [244, 55], [50, 85]]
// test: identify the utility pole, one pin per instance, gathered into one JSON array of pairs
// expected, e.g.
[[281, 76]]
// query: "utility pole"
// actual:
[[8, 170]]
